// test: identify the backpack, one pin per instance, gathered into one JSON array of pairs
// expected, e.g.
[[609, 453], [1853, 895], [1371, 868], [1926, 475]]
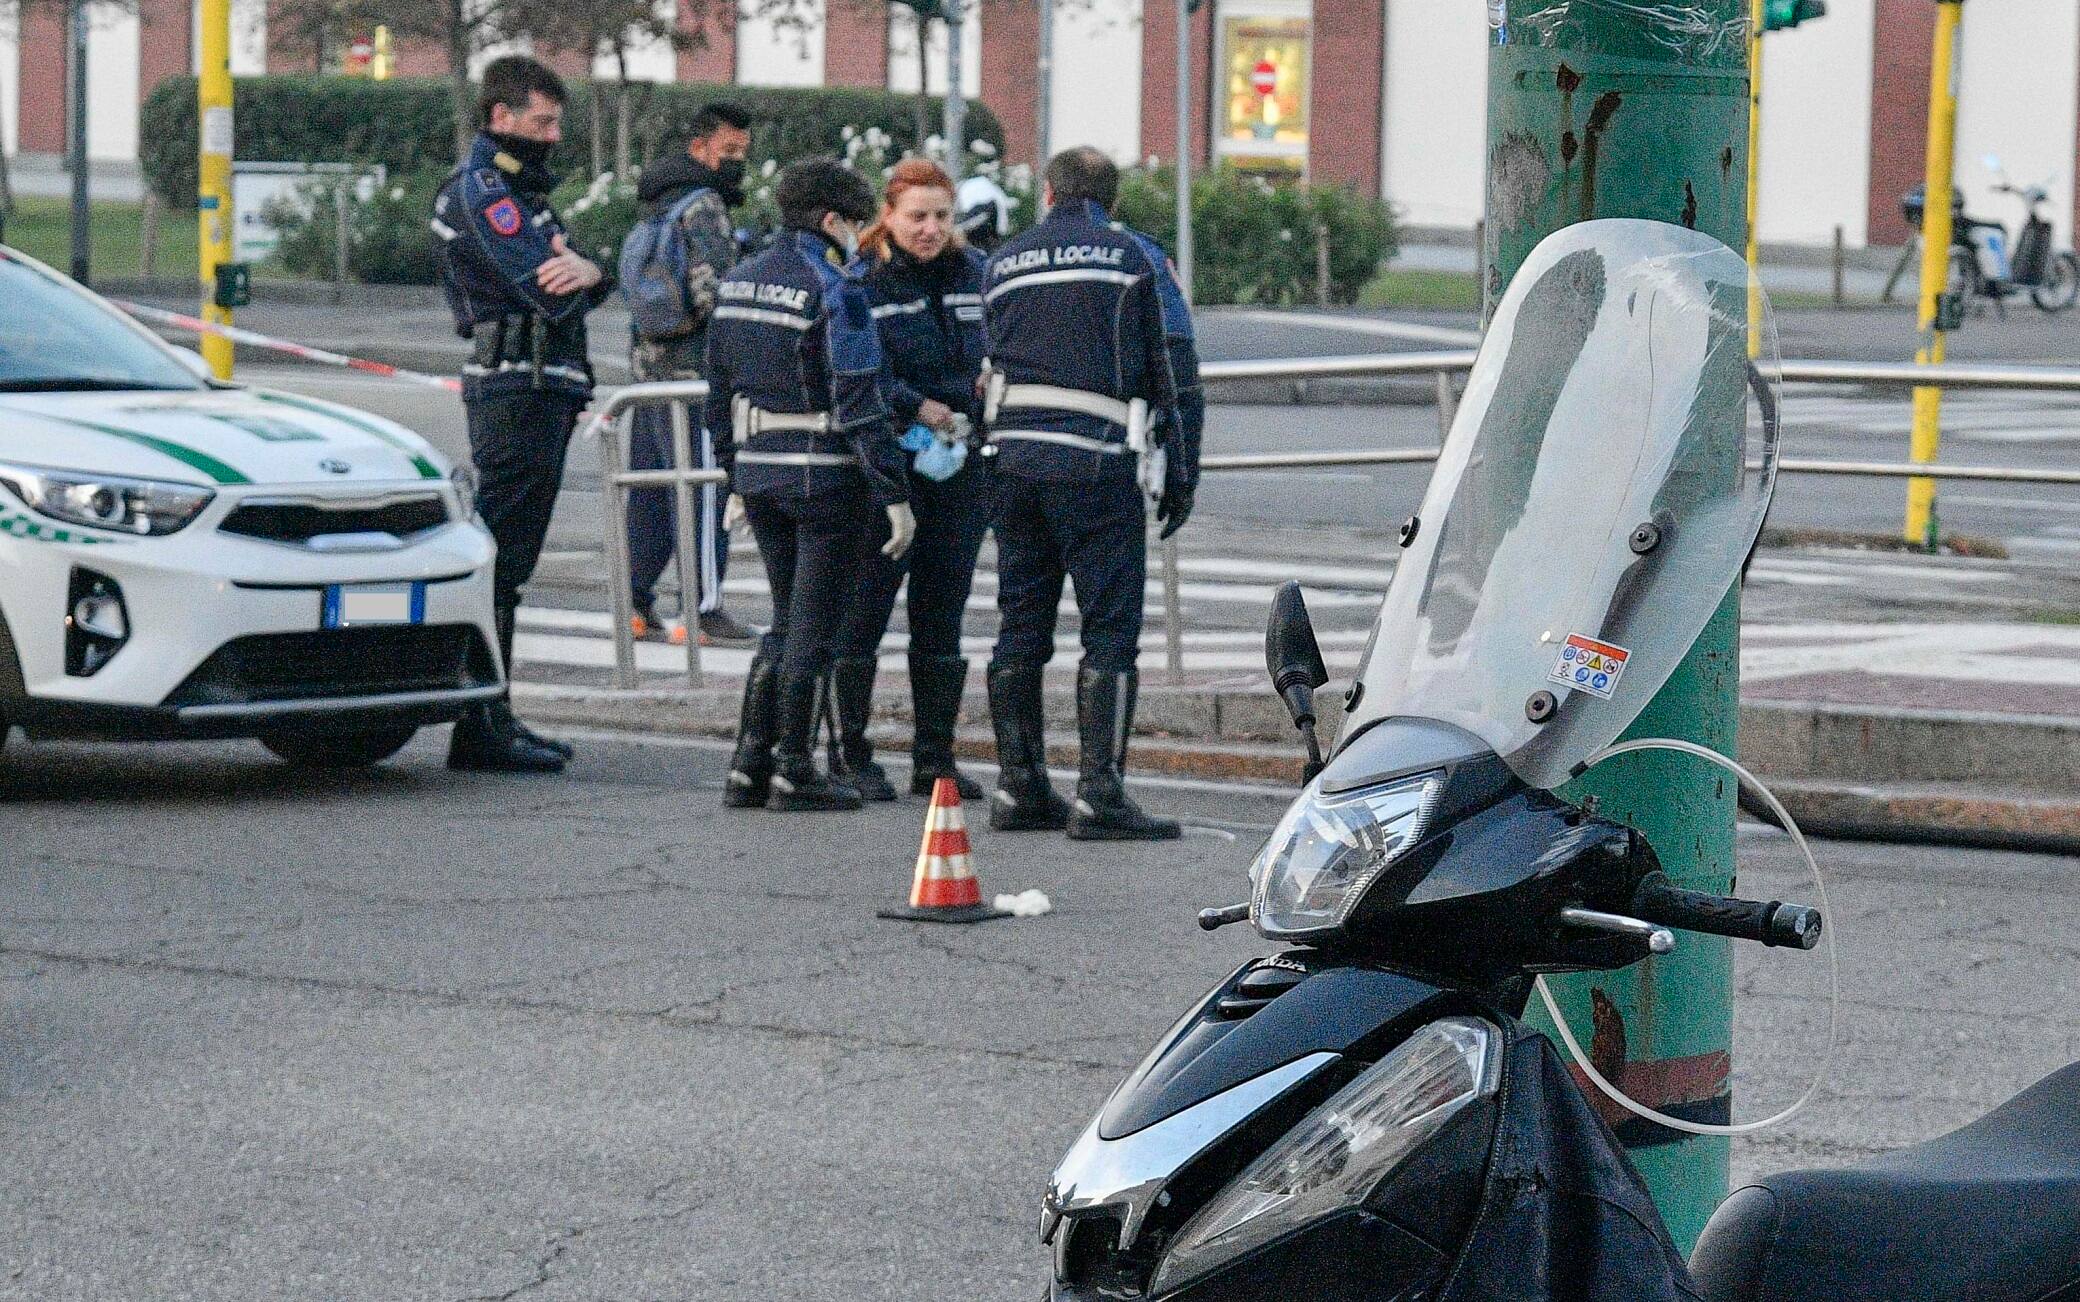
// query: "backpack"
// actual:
[[654, 259]]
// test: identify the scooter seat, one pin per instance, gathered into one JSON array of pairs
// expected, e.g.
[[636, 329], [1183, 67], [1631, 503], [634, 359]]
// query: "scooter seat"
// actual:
[[1990, 1211]]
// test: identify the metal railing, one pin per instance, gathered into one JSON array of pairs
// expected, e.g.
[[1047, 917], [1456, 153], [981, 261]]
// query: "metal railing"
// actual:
[[1441, 365], [609, 427]]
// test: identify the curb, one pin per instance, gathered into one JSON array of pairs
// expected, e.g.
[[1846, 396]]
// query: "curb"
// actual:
[[1857, 772]]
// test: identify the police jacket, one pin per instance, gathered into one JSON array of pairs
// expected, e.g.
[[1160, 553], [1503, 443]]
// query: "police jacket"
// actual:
[[1075, 303], [930, 319], [792, 337], [492, 227], [711, 246]]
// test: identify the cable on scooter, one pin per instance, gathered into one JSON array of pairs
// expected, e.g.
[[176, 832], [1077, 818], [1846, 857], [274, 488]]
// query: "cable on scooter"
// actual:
[[1750, 782]]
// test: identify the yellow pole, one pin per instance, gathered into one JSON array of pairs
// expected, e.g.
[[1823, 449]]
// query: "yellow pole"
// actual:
[[379, 66], [1944, 67], [213, 185], [1755, 19]]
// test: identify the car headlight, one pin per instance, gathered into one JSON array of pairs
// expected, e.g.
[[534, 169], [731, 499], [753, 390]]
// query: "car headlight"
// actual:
[[117, 503], [1339, 1153], [1329, 848]]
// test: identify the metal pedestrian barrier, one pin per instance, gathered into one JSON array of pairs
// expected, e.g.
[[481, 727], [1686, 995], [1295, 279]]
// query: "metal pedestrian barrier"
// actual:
[[611, 427], [1443, 366]]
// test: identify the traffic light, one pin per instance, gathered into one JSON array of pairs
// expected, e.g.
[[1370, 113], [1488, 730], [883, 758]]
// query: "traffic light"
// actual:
[[1779, 14]]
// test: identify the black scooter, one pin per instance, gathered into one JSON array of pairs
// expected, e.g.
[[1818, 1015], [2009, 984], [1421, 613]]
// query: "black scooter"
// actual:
[[1362, 1116]]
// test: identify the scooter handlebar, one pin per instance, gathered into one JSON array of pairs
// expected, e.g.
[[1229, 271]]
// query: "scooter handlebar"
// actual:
[[1776, 924]]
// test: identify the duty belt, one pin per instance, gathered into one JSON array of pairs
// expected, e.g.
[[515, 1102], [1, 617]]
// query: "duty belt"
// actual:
[[748, 422], [1131, 414], [518, 343]]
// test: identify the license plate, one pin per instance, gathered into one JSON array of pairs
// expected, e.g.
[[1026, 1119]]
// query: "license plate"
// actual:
[[359, 605]]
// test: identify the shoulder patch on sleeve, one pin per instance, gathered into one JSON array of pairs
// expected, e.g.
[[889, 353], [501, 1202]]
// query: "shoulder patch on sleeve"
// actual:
[[504, 217]]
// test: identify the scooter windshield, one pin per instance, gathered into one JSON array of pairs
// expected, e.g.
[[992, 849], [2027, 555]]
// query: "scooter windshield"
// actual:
[[1600, 489]]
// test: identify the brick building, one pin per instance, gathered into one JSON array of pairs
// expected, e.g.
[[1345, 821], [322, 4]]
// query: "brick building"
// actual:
[[1385, 95]]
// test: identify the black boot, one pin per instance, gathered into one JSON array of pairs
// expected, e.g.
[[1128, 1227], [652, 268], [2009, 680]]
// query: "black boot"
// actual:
[[797, 783], [489, 739], [751, 769], [1104, 720], [936, 683], [507, 619], [852, 755], [1024, 801]]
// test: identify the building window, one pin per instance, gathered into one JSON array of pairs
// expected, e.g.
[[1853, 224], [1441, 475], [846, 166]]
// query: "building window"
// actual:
[[1266, 76]]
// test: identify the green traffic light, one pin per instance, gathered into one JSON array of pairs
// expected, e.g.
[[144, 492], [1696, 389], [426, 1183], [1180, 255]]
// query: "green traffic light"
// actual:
[[1779, 14]]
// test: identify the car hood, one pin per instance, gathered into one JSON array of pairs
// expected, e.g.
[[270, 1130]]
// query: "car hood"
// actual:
[[216, 437]]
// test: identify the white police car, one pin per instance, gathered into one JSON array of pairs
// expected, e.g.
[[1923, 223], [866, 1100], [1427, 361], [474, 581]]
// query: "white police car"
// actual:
[[185, 559]]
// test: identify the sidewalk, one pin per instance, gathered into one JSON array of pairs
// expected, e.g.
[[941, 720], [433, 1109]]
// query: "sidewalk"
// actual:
[[1965, 733]]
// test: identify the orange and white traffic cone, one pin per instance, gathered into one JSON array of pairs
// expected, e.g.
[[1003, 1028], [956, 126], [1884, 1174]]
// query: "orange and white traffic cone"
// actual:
[[945, 888]]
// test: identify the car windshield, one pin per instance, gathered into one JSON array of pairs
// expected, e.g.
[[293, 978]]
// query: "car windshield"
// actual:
[[1602, 484], [53, 339]]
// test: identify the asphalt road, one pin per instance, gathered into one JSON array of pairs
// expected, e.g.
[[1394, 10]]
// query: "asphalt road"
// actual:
[[417, 1035]]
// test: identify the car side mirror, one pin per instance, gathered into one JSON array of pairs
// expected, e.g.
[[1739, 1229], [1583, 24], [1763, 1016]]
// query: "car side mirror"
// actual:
[[194, 362], [1294, 660]]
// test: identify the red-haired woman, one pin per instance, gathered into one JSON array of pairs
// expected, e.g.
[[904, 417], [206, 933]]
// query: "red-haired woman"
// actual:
[[925, 287]]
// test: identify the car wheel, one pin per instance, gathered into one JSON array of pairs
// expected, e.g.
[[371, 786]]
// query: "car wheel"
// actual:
[[339, 750]]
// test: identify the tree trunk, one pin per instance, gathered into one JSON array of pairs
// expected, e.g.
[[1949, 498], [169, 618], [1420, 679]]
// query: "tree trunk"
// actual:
[[459, 32], [921, 112], [624, 110], [598, 115]]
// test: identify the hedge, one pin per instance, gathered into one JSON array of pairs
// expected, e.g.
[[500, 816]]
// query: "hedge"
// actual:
[[1256, 241], [406, 125]]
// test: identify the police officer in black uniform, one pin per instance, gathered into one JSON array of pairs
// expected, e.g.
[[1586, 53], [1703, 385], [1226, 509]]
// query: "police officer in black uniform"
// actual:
[[794, 374], [1084, 420], [520, 296], [925, 288]]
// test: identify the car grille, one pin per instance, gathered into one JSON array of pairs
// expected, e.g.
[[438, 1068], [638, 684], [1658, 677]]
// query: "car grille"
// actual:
[[332, 663], [299, 522]]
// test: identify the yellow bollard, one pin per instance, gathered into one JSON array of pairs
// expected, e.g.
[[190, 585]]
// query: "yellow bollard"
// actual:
[[213, 179], [1944, 70]]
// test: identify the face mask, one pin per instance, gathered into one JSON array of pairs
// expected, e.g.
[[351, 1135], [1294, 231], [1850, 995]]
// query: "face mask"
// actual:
[[848, 240], [729, 178], [530, 153]]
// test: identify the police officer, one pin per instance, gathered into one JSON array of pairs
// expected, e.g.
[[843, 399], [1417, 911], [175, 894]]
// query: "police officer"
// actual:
[[520, 295], [695, 190], [1084, 420], [794, 373], [925, 289]]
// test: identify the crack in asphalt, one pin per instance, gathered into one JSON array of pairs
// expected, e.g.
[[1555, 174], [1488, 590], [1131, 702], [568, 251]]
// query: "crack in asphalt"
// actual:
[[561, 1008]]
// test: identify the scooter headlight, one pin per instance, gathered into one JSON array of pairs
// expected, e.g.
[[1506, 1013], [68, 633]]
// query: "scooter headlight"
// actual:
[[1329, 848], [1339, 1153]]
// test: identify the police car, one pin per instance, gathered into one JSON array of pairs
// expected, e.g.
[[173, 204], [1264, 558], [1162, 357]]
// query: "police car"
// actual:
[[181, 558]]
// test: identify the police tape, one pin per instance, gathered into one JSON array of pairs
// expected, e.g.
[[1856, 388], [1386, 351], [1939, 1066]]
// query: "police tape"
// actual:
[[196, 325]]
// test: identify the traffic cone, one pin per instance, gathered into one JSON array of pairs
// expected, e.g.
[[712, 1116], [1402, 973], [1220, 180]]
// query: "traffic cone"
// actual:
[[945, 888]]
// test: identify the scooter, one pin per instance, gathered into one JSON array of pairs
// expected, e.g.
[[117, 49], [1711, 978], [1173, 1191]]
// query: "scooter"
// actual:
[[1985, 264], [1363, 1115]]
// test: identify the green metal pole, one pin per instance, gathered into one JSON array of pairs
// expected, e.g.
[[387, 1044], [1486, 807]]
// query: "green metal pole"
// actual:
[[1604, 110]]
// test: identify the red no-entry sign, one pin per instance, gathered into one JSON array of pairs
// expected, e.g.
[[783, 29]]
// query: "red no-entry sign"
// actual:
[[1264, 77]]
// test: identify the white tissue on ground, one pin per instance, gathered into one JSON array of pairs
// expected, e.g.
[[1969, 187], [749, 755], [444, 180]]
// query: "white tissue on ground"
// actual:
[[1025, 904]]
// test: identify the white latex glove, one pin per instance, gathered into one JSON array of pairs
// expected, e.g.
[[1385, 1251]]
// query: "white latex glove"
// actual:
[[732, 513], [902, 527]]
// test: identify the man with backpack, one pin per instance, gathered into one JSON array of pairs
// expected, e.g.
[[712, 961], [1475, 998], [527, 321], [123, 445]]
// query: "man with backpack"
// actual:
[[682, 243]]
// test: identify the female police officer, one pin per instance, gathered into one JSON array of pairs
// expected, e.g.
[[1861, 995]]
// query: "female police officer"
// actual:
[[925, 286], [794, 374]]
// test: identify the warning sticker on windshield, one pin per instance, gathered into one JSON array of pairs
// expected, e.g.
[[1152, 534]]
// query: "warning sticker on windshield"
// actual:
[[1590, 666]]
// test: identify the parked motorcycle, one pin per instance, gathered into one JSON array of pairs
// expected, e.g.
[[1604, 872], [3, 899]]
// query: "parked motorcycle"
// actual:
[[1986, 264], [1363, 1116]]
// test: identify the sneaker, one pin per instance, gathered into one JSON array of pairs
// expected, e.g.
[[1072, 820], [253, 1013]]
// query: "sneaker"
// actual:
[[719, 627], [645, 626], [676, 634]]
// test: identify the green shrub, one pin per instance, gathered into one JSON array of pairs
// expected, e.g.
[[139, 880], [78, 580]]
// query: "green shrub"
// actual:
[[1256, 240], [388, 241], [405, 124]]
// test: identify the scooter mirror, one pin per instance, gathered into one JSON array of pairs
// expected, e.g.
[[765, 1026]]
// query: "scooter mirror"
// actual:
[[1291, 653]]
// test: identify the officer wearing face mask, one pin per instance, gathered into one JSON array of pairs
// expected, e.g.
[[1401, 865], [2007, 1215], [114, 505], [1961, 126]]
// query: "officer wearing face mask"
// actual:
[[691, 195], [794, 374], [519, 294]]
